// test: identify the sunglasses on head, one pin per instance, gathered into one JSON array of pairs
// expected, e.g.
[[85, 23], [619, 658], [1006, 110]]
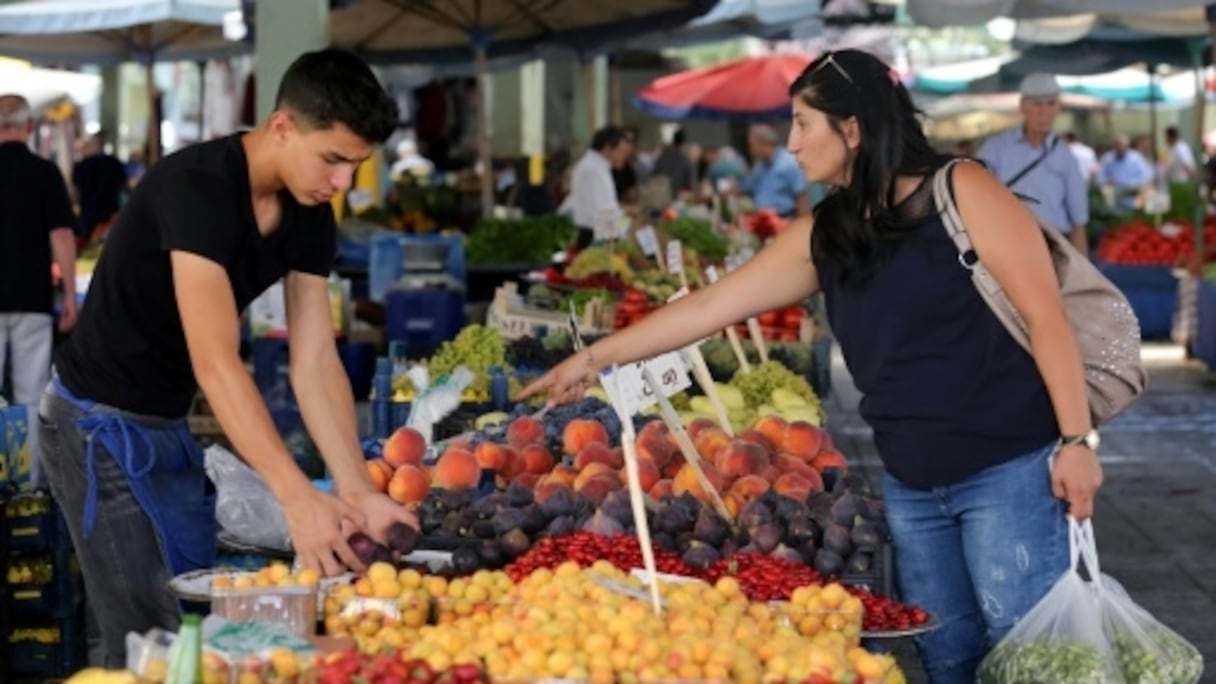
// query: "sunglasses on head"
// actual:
[[830, 60]]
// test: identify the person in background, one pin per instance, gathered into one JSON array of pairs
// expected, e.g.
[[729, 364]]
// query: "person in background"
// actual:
[[1126, 172], [982, 468], [592, 199], [674, 163], [410, 161], [205, 232], [626, 177], [1032, 162], [775, 182], [727, 164], [36, 226], [136, 167], [1087, 159], [99, 181], [1179, 161]]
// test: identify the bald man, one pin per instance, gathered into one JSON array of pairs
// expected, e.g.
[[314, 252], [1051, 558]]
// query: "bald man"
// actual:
[[36, 226], [776, 182], [1126, 171]]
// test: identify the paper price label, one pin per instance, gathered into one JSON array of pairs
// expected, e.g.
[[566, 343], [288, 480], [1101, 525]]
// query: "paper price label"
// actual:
[[711, 274], [669, 370], [648, 241], [675, 257]]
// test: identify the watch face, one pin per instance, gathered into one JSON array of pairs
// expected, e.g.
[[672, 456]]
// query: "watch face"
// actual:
[[1092, 440]]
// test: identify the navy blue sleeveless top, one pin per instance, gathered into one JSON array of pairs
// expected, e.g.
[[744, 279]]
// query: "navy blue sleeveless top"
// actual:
[[947, 391]]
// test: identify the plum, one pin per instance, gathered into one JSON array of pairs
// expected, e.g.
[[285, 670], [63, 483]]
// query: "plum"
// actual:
[[700, 556], [828, 562], [514, 543], [508, 519], [401, 537], [710, 528], [466, 560], [365, 547], [518, 494]]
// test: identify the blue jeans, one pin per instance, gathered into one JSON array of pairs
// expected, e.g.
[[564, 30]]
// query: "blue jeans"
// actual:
[[977, 554]]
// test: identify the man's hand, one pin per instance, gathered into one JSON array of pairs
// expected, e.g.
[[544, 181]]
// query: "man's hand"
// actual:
[[316, 520], [1076, 477], [379, 513], [67, 315]]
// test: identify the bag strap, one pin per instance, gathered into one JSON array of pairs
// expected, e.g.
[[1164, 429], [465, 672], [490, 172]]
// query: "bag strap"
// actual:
[[1083, 547], [1031, 166], [943, 197]]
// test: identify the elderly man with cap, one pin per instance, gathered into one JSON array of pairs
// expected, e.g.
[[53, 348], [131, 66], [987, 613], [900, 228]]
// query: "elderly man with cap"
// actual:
[[1035, 163]]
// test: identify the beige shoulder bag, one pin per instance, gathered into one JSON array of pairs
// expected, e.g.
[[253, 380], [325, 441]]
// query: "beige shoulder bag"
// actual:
[[1106, 329]]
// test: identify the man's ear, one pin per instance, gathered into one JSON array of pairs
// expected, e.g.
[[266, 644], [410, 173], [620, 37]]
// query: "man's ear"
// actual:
[[280, 124]]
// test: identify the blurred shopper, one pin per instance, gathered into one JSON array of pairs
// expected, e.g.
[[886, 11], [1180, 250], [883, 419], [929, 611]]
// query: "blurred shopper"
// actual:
[[983, 442], [36, 226], [1179, 160], [775, 182], [99, 180], [628, 176], [1126, 173], [592, 199], [674, 164], [1087, 159], [1034, 162]]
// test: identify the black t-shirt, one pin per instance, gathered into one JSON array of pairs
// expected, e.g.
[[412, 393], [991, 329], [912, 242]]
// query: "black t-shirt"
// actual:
[[33, 202], [100, 181], [128, 349]]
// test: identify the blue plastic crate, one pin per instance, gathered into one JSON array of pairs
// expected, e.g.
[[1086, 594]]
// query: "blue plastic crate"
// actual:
[[391, 255], [1152, 292], [423, 319], [34, 532]]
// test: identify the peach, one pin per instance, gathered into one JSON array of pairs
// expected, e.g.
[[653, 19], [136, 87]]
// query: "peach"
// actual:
[[525, 430], [406, 446], [457, 468], [741, 458], [660, 490], [697, 425], [791, 464], [580, 432], [656, 427], [491, 456], [409, 484], [536, 459], [770, 474], [829, 458], [710, 442], [514, 463], [686, 481], [591, 471], [547, 488], [655, 447], [598, 452], [380, 473], [564, 474], [756, 437], [749, 487], [674, 464], [802, 440], [648, 475], [733, 503], [772, 427], [599, 487], [793, 486], [528, 480]]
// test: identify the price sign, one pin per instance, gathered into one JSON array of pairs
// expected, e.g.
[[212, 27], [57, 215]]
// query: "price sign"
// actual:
[[670, 370], [711, 274], [675, 257], [648, 241]]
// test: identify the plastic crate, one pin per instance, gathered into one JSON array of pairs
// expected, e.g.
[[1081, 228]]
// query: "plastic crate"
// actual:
[[53, 599], [35, 532], [423, 319], [46, 660], [881, 578], [392, 256], [1152, 292]]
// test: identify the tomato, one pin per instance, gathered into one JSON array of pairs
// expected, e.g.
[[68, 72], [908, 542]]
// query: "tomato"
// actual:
[[769, 319]]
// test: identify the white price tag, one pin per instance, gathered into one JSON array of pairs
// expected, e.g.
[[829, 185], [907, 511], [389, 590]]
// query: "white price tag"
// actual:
[[648, 241], [675, 257], [670, 370], [711, 274], [678, 294], [731, 262]]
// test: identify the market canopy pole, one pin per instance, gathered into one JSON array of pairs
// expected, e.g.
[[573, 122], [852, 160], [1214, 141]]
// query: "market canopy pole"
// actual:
[[481, 43]]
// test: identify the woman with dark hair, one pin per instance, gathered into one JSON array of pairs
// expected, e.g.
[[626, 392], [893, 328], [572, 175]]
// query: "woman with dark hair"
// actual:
[[986, 446]]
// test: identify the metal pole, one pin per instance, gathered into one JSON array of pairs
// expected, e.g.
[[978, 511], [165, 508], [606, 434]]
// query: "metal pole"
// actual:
[[484, 154]]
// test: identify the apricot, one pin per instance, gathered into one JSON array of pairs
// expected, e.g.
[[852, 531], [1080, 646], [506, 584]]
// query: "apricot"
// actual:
[[457, 468], [772, 427], [660, 490], [741, 458], [380, 473], [406, 446], [491, 456], [802, 440], [409, 484], [581, 432], [749, 487], [536, 459], [686, 481], [598, 452]]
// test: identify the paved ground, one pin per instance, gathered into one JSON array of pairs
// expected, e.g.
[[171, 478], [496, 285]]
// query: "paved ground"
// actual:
[[1156, 515]]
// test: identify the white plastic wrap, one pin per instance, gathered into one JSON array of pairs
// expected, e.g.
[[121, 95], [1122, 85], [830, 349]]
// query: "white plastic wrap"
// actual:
[[245, 508]]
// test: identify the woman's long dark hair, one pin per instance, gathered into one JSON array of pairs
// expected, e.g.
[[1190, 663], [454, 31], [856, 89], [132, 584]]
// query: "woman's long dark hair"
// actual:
[[856, 223]]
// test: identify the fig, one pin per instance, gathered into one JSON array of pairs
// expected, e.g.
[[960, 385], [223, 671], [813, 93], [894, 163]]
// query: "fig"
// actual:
[[430, 520], [786, 553], [766, 537], [728, 548], [827, 562], [673, 519], [534, 521], [751, 548], [710, 528], [876, 508], [561, 502], [381, 554], [664, 541], [683, 541], [787, 509], [755, 514], [831, 477], [401, 537], [807, 551], [483, 529], [561, 525], [838, 539], [865, 536], [518, 495], [617, 505], [852, 483], [363, 546], [700, 556], [688, 502], [453, 524], [491, 555], [487, 506], [603, 524], [466, 560], [820, 502], [847, 508], [859, 563], [508, 519], [801, 529], [514, 543]]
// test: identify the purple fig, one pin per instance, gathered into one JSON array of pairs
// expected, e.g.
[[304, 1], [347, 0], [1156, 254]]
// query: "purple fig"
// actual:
[[401, 538], [604, 525], [700, 556]]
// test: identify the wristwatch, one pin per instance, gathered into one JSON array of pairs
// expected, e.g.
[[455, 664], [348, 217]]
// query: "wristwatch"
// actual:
[[1090, 440]]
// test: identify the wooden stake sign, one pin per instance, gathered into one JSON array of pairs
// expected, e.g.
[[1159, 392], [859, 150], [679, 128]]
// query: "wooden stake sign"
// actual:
[[732, 336]]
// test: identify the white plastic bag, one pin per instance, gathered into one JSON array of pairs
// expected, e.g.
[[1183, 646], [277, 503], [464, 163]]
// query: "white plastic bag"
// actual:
[[245, 508], [1089, 631]]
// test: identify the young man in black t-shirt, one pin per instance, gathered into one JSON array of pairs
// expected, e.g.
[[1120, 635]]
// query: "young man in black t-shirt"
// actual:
[[205, 232]]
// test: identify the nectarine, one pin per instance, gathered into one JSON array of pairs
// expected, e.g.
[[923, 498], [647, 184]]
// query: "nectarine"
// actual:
[[457, 468], [741, 458], [491, 456], [660, 490], [654, 446], [406, 446], [772, 427], [380, 473], [525, 430], [686, 481], [537, 459], [409, 484], [793, 486], [598, 452], [580, 432], [749, 487], [802, 440], [829, 458], [710, 442]]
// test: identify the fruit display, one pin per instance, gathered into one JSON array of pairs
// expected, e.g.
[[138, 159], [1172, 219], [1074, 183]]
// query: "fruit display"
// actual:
[[273, 575], [1139, 243], [612, 259], [34, 570], [27, 505], [477, 348], [530, 240], [764, 223], [772, 389]]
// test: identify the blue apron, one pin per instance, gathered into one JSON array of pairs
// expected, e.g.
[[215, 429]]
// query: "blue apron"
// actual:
[[164, 469]]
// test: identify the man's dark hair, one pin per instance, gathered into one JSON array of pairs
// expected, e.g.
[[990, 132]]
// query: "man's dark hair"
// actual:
[[1069, 136], [1171, 132], [607, 138], [329, 87], [678, 138]]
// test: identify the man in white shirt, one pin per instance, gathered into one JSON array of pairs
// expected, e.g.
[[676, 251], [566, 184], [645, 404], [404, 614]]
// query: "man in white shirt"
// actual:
[[1087, 159], [592, 199], [1180, 162]]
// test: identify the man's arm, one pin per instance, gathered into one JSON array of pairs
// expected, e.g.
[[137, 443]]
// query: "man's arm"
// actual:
[[63, 247], [1076, 202], [209, 318]]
